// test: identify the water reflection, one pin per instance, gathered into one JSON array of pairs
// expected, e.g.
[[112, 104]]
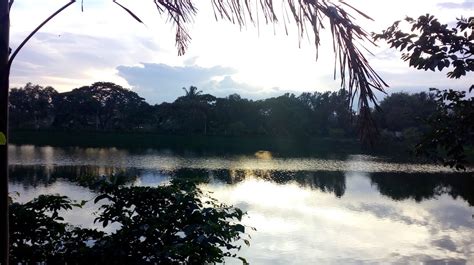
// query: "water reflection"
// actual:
[[397, 186], [153, 159], [423, 186], [34, 176], [302, 226], [306, 210]]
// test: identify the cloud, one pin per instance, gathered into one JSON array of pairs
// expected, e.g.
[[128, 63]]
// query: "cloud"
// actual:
[[159, 82], [468, 4], [228, 86], [445, 243], [414, 81], [70, 60], [162, 82]]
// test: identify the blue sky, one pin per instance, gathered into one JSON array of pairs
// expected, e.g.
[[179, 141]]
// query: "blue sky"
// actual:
[[103, 43]]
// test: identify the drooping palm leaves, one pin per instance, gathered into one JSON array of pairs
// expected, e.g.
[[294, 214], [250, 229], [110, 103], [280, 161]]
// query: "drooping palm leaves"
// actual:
[[310, 16]]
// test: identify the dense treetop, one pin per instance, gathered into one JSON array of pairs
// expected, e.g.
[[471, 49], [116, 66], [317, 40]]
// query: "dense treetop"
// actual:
[[106, 106]]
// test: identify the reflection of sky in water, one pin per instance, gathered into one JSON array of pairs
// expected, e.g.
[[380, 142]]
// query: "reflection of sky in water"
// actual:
[[296, 223]]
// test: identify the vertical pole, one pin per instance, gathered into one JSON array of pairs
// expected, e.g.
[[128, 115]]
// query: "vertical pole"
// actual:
[[4, 84]]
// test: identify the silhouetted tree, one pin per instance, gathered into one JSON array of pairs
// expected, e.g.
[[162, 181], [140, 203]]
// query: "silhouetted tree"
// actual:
[[430, 45], [107, 106], [401, 111], [103, 106], [235, 115], [191, 111], [33, 106]]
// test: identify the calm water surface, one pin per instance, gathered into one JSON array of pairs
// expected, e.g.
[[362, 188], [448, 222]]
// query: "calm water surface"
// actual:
[[357, 210]]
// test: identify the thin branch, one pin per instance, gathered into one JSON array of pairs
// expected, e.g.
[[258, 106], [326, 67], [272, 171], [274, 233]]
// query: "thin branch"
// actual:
[[10, 61], [129, 12]]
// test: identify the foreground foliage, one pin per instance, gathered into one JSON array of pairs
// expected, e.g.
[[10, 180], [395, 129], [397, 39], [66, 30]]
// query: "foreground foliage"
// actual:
[[154, 225], [430, 45], [452, 129]]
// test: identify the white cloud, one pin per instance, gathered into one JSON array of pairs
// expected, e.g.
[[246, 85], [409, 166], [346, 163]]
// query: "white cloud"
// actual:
[[77, 48], [468, 4], [73, 58], [162, 82]]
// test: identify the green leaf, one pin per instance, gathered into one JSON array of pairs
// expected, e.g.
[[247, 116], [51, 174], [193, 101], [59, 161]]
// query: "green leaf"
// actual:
[[3, 139], [101, 197], [240, 228], [244, 261]]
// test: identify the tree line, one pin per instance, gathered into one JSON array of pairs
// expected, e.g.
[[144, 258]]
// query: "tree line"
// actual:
[[105, 106]]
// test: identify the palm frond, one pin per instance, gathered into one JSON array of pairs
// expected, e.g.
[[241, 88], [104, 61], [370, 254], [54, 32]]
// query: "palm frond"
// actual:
[[179, 13], [355, 72], [129, 12]]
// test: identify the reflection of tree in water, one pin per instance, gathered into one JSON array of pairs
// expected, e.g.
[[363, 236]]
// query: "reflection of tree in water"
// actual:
[[424, 186], [199, 175], [332, 182], [33, 176], [398, 186]]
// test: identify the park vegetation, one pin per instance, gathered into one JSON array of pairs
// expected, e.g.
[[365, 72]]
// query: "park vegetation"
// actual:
[[109, 107], [431, 45], [169, 224]]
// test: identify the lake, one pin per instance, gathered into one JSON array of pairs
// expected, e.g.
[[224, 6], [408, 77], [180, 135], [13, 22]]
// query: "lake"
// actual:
[[355, 209]]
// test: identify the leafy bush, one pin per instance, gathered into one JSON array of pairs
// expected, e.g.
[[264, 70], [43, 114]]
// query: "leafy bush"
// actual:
[[172, 224], [452, 129]]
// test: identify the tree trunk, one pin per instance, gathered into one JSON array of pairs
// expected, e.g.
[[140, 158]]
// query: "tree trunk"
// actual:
[[205, 124], [4, 84]]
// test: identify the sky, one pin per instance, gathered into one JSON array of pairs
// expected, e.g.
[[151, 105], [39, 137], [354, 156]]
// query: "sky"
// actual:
[[104, 43]]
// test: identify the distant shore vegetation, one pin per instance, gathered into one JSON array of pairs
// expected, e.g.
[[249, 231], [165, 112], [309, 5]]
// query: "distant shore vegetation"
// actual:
[[105, 106]]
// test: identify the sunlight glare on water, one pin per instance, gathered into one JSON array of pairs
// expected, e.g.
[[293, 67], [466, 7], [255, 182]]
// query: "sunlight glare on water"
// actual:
[[262, 160]]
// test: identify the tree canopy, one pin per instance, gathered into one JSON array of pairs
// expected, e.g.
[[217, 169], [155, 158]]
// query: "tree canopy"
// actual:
[[105, 106], [430, 45]]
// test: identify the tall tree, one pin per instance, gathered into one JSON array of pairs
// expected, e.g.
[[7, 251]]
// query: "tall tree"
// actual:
[[32, 106], [102, 105], [4, 85], [194, 109], [401, 111], [192, 92], [357, 76]]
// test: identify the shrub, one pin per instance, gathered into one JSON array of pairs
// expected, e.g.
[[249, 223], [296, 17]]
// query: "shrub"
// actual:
[[171, 224]]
